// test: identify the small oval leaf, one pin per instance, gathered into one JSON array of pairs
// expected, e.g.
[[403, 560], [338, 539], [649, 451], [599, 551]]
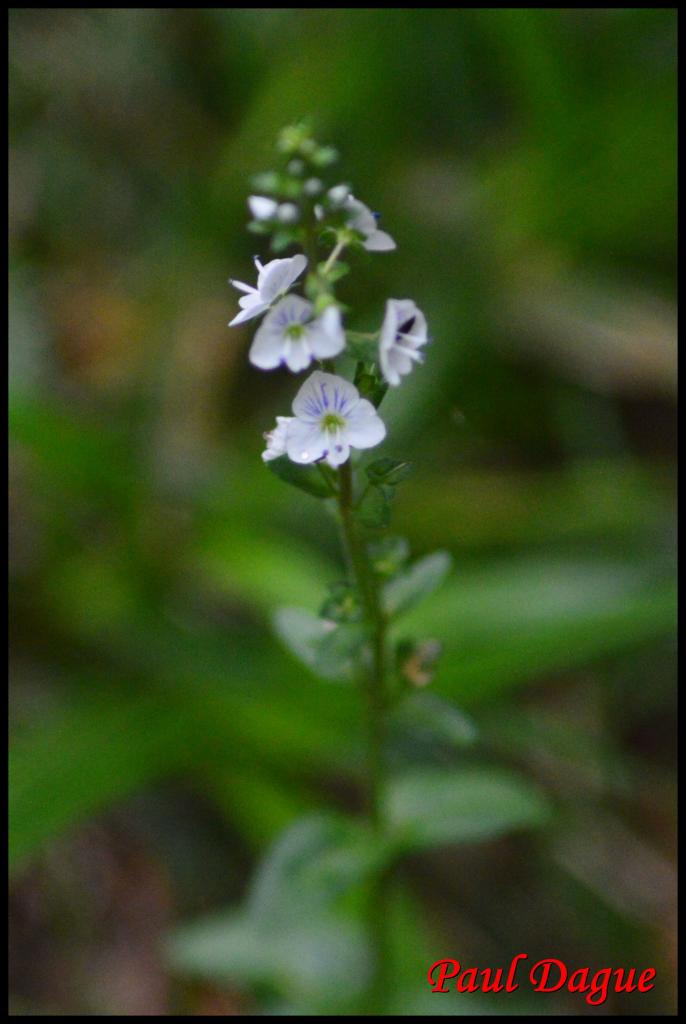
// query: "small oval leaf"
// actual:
[[420, 580]]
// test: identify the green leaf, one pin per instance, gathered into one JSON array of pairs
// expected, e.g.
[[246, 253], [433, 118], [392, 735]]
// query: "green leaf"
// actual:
[[388, 471], [306, 478], [293, 932], [311, 866], [374, 510], [366, 383], [314, 957], [420, 580], [368, 380], [221, 947], [327, 648], [433, 807], [322, 958], [429, 718]]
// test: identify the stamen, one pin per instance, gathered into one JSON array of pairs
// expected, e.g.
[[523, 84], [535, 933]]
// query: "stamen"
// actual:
[[332, 423]]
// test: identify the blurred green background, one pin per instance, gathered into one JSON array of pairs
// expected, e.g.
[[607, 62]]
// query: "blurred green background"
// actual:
[[161, 738]]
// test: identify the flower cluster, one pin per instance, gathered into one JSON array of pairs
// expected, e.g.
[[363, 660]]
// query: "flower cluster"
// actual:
[[331, 414]]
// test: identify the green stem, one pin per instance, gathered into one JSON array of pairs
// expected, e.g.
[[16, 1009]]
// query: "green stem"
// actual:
[[375, 692], [375, 677], [363, 335], [335, 253]]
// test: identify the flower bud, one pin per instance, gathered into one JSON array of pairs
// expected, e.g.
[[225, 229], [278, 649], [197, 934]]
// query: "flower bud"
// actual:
[[261, 207], [418, 665], [338, 194], [287, 213], [325, 156]]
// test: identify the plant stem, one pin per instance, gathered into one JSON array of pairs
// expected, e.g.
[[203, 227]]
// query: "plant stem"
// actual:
[[375, 678], [375, 692], [335, 253]]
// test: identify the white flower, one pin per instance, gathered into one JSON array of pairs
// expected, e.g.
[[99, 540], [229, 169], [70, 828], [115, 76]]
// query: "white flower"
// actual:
[[276, 439], [403, 332], [287, 213], [363, 220], [329, 419], [273, 280], [261, 207], [338, 194], [313, 187], [290, 335]]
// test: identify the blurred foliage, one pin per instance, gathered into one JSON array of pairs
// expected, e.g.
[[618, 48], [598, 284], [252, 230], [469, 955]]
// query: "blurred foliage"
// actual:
[[162, 737]]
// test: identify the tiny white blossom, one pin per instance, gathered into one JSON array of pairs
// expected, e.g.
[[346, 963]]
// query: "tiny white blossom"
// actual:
[[403, 332], [287, 213], [313, 187], [273, 280], [363, 220], [338, 194], [290, 335], [330, 418], [276, 439], [261, 207]]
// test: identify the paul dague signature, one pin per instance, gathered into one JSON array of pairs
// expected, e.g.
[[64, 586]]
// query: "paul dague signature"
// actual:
[[544, 976]]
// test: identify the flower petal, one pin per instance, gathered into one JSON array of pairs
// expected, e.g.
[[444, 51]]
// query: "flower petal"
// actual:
[[243, 287], [395, 365], [325, 335], [365, 428], [390, 373], [292, 309], [267, 349], [297, 354], [256, 309], [361, 217], [276, 439], [305, 442], [278, 275], [338, 452], [379, 241], [322, 393]]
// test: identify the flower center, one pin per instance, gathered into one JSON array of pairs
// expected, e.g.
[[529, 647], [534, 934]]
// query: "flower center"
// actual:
[[332, 422], [295, 331], [407, 326]]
